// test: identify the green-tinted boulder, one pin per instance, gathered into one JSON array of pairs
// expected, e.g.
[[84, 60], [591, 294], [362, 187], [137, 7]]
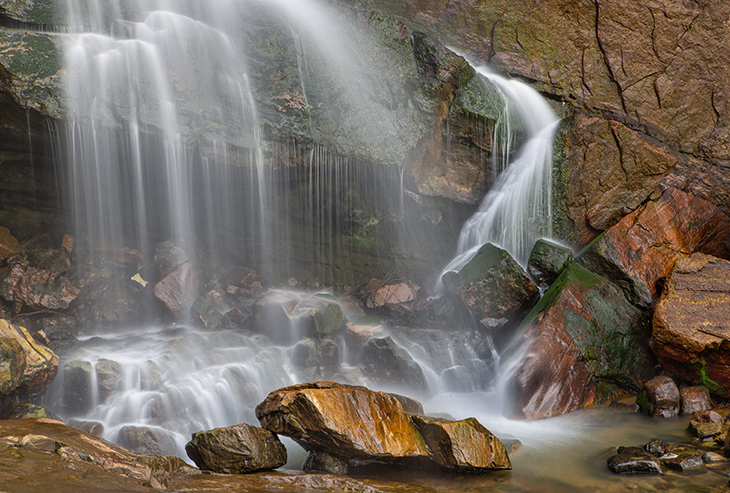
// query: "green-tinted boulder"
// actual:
[[39, 364], [19, 410], [586, 343], [547, 260], [492, 284]]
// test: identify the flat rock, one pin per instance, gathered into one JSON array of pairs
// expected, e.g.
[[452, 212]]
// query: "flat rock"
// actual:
[[691, 325], [634, 460], [238, 449]]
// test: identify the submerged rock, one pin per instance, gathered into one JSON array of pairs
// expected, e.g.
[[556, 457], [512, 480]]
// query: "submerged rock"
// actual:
[[634, 460], [641, 248], [492, 284], [691, 326], [585, 341], [238, 449]]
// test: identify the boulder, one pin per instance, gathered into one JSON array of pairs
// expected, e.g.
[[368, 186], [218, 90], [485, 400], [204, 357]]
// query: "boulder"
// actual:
[[547, 260], [343, 420], [685, 457], [58, 329], [694, 399], [19, 410], [108, 374], [286, 317], [492, 284], [385, 362], [607, 172], [345, 426], [146, 440], [77, 392], [109, 299], [660, 397], [238, 449], [93, 427], [584, 342], [634, 460], [691, 325], [391, 293], [322, 357], [179, 289], [462, 446], [36, 288], [640, 250], [26, 365]]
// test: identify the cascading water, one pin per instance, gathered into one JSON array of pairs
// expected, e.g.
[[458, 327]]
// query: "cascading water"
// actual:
[[517, 209]]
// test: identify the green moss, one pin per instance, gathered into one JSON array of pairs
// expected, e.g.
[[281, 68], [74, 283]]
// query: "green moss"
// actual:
[[644, 404], [487, 257], [704, 379]]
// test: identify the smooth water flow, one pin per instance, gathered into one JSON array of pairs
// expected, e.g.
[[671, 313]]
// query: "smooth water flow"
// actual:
[[517, 209]]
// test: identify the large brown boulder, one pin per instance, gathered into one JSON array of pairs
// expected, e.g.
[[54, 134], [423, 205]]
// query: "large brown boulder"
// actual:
[[27, 366], [238, 449], [641, 249], [691, 326], [492, 284], [343, 420], [584, 342], [343, 426]]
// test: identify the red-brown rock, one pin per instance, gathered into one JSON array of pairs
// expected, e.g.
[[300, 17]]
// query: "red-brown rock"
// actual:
[[36, 288], [663, 396], [641, 249], [179, 289], [691, 326]]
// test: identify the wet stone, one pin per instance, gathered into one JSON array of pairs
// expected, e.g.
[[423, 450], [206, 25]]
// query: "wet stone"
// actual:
[[547, 260], [655, 447], [682, 458], [695, 398], [663, 396], [323, 462], [634, 460], [705, 430], [146, 440], [77, 386]]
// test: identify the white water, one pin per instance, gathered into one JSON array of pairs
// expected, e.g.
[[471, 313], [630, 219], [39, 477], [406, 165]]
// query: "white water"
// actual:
[[516, 211]]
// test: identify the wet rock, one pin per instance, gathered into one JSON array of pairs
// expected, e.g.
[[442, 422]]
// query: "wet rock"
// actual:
[[585, 342], [357, 334], [462, 446], [19, 410], [77, 390], [492, 284], [322, 356], [634, 460], [547, 260], [323, 462], [179, 289], [286, 317], [686, 458], [168, 257], [712, 458], [390, 294], [691, 325], [212, 310], [641, 248], [93, 427], [386, 362], [694, 399], [9, 246], [655, 447], [112, 299], [705, 430], [343, 420], [60, 330], [30, 367], [108, 374], [146, 440], [237, 449], [609, 170], [36, 288], [662, 396]]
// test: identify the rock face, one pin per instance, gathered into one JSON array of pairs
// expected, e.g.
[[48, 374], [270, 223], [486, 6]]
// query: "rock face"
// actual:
[[608, 170], [642, 248], [344, 426], [691, 328], [584, 341], [492, 284], [25, 366], [237, 449]]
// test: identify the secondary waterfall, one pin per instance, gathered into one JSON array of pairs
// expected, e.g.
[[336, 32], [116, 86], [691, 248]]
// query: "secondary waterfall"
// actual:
[[517, 209]]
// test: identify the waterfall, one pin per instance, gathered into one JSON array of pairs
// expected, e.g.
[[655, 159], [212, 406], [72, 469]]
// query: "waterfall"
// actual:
[[517, 209]]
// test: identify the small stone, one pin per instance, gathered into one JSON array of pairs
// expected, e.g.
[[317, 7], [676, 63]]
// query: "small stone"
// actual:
[[655, 447], [685, 458], [663, 395], [712, 457]]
